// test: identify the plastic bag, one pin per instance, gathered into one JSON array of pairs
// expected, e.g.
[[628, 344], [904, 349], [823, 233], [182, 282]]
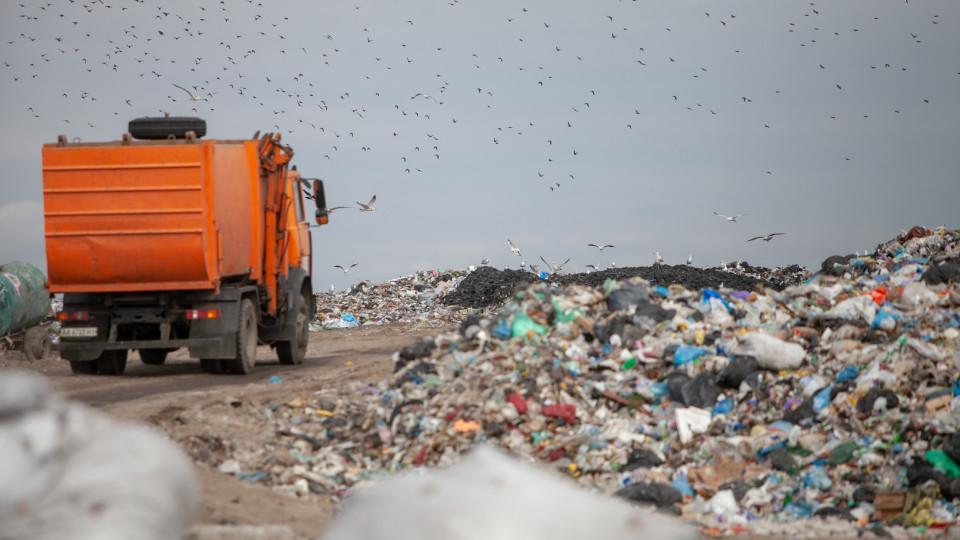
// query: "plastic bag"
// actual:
[[770, 352]]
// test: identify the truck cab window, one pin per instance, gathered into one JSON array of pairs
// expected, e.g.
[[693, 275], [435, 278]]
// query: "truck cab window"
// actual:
[[299, 196]]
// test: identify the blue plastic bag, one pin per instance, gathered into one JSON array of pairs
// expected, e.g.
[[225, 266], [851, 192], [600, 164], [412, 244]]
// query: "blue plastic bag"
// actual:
[[686, 354], [723, 406], [848, 373], [821, 400], [709, 294]]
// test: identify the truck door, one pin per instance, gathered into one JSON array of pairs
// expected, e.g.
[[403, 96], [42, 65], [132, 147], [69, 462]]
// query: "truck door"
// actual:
[[302, 232]]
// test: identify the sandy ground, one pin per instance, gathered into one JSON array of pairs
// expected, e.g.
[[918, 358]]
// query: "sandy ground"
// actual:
[[173, 396]]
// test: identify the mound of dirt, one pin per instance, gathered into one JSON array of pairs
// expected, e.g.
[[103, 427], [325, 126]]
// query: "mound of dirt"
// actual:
[[488, 286]]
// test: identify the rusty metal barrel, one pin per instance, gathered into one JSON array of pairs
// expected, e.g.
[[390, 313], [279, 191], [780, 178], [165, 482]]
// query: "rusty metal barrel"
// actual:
[[24, 300]]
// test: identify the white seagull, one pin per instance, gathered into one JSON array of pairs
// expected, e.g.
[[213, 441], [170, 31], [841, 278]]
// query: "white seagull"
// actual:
[[513, 248], [369, 206], [659, 258], [345, 270], [766, 238], [198, 97], [556, 267], [729, 218], [424, 96], [689, 259], [601, 248]]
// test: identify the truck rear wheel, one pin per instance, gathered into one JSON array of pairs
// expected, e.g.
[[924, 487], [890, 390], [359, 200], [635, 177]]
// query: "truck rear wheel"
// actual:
[[83, 367], [246, 341], [153, 357], [293, 351], [112, 362]]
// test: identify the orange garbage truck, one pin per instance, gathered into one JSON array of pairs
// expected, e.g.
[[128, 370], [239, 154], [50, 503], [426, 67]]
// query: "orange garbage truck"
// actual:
[[163, 240]]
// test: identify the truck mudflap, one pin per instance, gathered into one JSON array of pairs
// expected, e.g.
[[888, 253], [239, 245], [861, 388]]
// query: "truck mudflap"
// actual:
[[292, 286]]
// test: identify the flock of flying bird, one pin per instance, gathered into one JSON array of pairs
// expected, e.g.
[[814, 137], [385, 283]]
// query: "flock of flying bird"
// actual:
[[361, 91]]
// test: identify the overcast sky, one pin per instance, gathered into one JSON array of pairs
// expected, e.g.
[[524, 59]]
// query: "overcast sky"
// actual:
[[837, 124]]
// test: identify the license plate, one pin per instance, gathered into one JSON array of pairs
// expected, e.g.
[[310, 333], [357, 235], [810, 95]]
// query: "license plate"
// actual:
[[78, 331]]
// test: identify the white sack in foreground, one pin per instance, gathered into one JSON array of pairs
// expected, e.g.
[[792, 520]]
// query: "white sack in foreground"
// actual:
[[68, 471], [492, 495]]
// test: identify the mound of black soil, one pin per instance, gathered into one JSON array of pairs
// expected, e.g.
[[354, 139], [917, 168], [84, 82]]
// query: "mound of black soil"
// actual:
[[488, 286]]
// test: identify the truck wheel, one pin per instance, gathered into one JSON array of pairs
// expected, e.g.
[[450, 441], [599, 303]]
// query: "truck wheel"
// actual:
[[112, 362], [158, 128], [294, 351], [83, 367], [212, 365], [36, 343], [246, 341], [153, 357]]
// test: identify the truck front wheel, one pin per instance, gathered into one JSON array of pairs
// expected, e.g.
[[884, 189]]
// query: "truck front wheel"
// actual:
[[112, 362], [294, 351], [246, 341]]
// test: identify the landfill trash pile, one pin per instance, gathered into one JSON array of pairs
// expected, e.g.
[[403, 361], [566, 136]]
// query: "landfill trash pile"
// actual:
[[833, 401], [445, 297], [410, 299]]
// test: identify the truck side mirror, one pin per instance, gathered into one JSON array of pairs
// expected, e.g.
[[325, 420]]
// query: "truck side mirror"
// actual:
[[323, 215]]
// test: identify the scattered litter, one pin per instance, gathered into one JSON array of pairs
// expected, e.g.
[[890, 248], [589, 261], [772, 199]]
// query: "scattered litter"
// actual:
[[743, 400]]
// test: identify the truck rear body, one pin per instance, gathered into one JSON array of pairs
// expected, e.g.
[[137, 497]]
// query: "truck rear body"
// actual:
[[152, 216], [161, 244]]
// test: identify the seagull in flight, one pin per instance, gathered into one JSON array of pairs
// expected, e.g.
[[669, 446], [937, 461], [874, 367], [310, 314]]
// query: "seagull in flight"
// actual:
[[330, 210], [601, 248], [513, 248], [197, 97], [556, 267], [766, 238], [424, 96], [729, 218], [369, 206], [345, 270]]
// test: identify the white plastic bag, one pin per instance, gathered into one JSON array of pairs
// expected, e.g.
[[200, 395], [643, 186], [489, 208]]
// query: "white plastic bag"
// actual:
[[770, 352], [491, 495], [69, 471]]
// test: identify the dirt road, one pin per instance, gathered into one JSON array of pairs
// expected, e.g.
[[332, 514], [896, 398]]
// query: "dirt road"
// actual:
[[194, 409]]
